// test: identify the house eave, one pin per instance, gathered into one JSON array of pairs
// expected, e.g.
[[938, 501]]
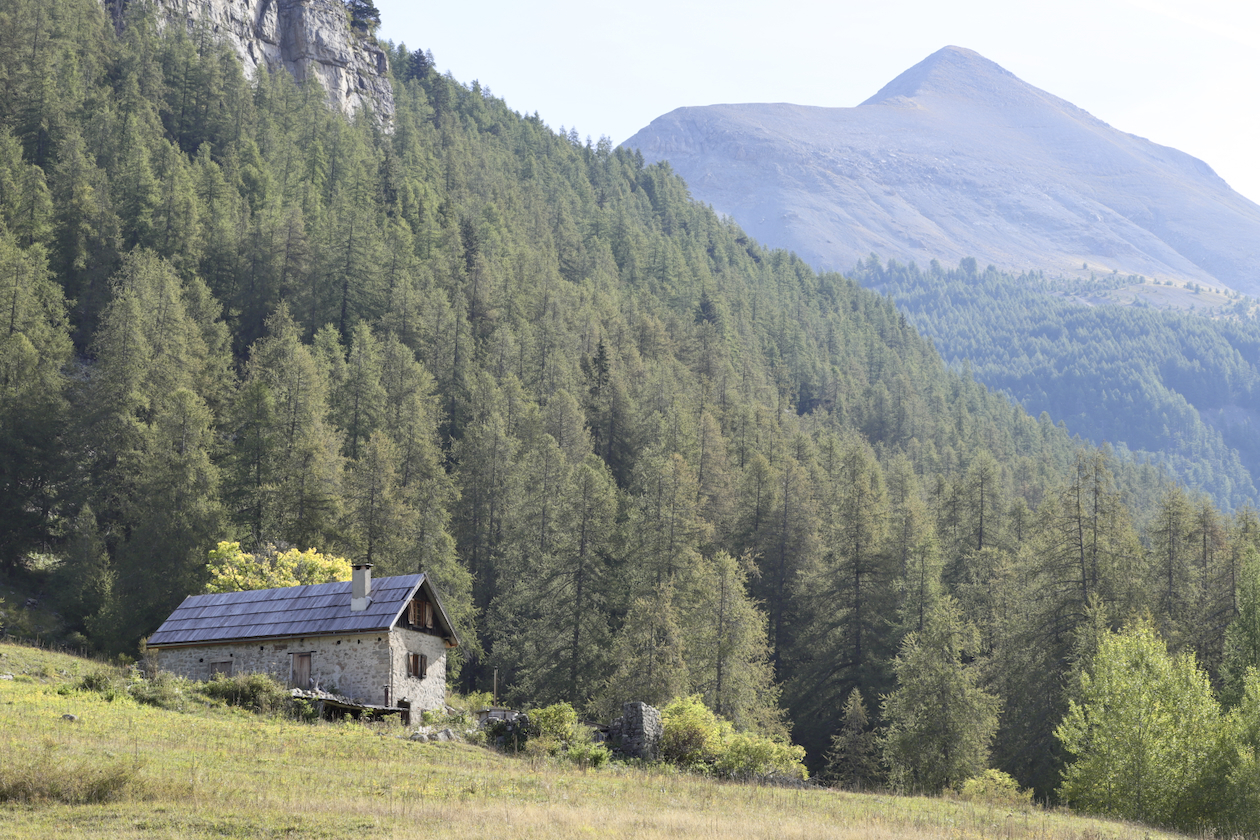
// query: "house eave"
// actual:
[[265, 639]]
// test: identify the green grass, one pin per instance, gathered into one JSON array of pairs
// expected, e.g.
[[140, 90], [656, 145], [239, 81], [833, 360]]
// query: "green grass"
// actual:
[[129, 770]]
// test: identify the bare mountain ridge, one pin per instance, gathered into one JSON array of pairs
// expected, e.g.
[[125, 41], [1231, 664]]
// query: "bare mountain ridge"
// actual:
[[958, 157]]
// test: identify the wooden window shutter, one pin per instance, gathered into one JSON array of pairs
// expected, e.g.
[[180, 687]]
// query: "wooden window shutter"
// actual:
[[428, 614], [412, 613], [413, 665], [424, 666]]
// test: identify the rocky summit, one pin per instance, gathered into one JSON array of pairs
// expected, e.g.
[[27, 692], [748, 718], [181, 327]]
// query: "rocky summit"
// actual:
[[958, 157], [307, 38]]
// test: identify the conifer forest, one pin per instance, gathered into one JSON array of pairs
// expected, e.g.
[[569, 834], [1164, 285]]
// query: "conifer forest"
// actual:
[[642, 456]]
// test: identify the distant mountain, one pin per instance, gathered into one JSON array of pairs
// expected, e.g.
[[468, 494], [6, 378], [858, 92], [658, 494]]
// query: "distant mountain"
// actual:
[[958, 157]]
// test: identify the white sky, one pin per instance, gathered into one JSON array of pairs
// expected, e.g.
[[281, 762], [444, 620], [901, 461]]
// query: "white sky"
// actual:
[[1184, 73]]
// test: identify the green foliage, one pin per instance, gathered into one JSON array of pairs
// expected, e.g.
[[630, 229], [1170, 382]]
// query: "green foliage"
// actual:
[[940, 721], [166, 691], [853, 761], [551, 731], [995, 788], [746, 756], [1242, 639], [1156, 381], [232, 570], [697, 739], [588, 755], [257, 692], [1141, 734], [694, 735], [558, 722]]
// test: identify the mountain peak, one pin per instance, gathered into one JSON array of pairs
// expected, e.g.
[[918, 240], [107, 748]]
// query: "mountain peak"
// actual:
[[955, 72]]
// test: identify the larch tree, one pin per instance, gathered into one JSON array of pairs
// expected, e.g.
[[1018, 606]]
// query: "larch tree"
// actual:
[[940, 721]]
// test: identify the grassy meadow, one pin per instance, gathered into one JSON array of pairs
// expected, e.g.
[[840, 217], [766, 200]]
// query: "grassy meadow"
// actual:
[[126, 770]]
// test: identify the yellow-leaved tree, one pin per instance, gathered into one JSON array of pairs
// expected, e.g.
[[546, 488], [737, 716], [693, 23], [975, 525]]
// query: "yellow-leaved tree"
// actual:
[[232, 570]]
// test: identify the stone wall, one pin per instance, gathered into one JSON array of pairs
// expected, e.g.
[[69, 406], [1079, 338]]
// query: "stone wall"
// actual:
[[429, 693], [638, 732], [306, 38], [361, 667]]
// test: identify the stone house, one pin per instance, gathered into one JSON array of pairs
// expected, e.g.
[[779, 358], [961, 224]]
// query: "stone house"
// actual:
[[381, 643]]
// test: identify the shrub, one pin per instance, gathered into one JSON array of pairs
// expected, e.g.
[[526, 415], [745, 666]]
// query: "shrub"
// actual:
[[588, 755], [258, 692], [993, 787], [693, 734], [470, 702], [747, 756], [163, 690], [98, 681], [558, 722]]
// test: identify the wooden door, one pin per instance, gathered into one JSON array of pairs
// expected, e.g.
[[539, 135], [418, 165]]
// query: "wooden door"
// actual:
[[301, 671]]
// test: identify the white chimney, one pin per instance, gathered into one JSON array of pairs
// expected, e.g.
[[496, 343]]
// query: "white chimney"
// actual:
[[361, 587]]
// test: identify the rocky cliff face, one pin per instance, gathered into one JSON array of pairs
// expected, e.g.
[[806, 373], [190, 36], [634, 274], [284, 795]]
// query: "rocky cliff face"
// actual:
[[307, 38]]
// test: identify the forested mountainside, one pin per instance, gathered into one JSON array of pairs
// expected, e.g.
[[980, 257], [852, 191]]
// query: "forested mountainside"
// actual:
[[641, 455], [1172, 385]]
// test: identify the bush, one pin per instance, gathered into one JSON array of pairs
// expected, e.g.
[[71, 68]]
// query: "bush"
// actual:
[[747, 756], [258, 692], [552, 731], [166, 691], [558, 723], [102, 682], [693, 734], [588, 755], [993, 787]]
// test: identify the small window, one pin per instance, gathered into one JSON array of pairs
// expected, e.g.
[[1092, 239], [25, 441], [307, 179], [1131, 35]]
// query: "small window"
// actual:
[[224, 668], [417, 665]]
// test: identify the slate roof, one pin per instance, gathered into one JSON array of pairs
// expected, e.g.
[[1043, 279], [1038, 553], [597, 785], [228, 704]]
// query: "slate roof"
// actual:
[[318, 610]]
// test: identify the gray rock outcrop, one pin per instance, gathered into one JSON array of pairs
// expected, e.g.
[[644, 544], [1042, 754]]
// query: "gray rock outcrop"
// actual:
[[958, 157], [307, 38]]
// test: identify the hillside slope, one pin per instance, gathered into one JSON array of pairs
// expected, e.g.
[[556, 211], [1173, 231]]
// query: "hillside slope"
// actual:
[[957, 157], [210, 772]]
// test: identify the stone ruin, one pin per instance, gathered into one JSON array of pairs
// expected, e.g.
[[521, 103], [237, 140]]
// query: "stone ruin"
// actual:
[[638, 732]]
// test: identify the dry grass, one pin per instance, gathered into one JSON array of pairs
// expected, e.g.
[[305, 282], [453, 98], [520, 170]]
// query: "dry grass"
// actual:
[[215, 772]]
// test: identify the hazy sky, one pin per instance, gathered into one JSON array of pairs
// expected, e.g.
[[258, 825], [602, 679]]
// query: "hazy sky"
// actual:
[[1184, 74]]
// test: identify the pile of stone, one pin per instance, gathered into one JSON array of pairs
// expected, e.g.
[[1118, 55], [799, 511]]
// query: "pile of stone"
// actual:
[[318, 693]]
